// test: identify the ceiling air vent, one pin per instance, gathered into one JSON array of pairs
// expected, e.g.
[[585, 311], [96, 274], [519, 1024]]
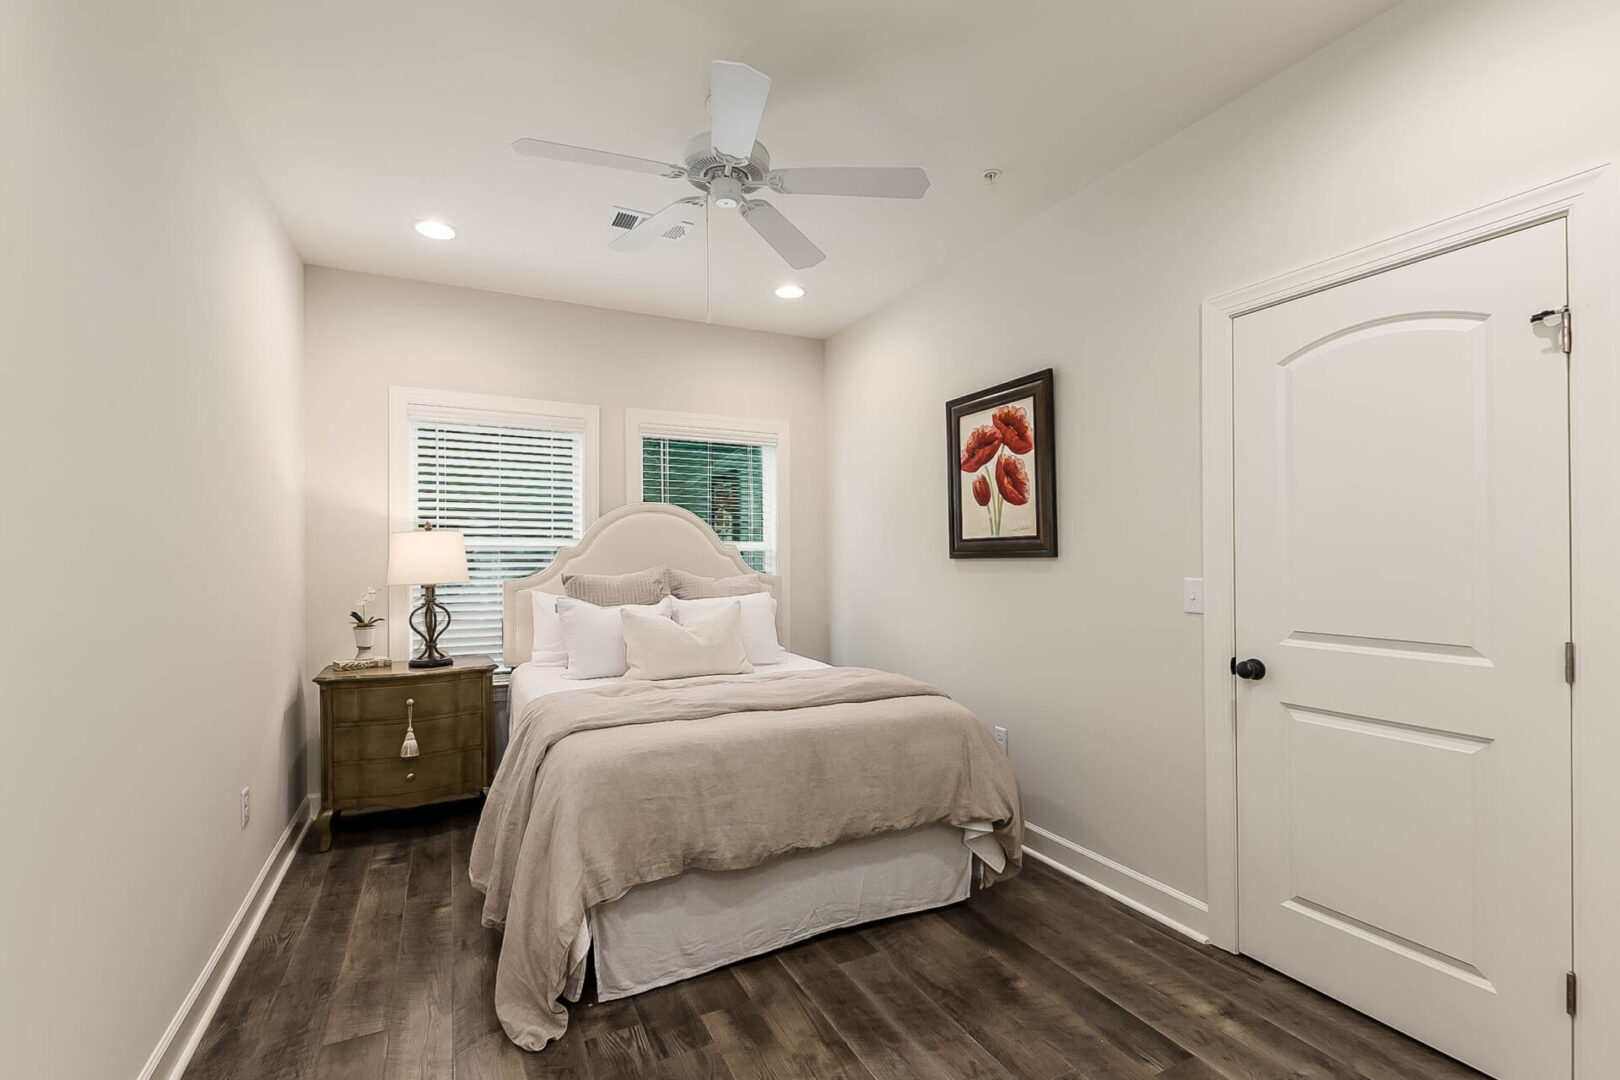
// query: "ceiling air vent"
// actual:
[[625, 218]]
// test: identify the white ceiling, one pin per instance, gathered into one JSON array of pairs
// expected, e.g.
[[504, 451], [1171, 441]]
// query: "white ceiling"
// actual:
[[366, 115]]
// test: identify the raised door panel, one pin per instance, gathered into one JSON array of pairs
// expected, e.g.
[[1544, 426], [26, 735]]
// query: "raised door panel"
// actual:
[[1385, 479], [1385, 837]]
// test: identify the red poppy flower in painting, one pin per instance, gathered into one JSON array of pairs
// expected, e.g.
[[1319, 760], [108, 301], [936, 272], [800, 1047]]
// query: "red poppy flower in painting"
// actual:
[[981, 491], [1012, 424], [981, 446], [1012, 479]]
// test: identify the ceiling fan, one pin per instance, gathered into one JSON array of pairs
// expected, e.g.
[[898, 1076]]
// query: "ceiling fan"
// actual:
[[728, 166]]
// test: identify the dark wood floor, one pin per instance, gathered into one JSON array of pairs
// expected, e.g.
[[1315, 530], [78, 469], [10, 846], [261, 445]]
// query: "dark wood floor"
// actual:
[[371, 963]]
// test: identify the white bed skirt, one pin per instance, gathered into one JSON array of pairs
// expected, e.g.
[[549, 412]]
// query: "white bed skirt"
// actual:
[[701, 920]]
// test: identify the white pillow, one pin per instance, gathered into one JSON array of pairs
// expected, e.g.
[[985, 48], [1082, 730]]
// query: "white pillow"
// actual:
[[549, 647], [758, 622], [659, 648], [594, 636]]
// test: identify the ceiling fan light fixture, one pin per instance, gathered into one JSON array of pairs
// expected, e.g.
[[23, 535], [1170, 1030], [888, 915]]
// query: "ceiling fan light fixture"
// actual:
[[790, 291], [727, 192], [436, 230]]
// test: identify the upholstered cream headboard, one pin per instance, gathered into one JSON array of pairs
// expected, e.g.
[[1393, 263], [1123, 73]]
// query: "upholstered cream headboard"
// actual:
[[623, 541]]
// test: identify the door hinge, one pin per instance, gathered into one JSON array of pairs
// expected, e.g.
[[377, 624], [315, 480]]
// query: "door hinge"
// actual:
[[1569, 662], [1557, 317], [1571, 992]]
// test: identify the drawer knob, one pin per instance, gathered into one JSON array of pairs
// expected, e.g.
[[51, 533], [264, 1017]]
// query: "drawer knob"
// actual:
[[409, 749], [410, 776]]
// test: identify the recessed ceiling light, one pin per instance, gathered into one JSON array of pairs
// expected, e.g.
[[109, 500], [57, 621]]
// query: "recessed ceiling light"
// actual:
[[790, 292], [436, 230]]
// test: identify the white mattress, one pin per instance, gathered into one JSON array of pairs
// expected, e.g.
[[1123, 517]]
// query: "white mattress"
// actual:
[[531, 681]]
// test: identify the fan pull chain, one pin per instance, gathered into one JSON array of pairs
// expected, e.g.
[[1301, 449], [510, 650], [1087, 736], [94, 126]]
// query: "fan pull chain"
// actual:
[[708, 313]]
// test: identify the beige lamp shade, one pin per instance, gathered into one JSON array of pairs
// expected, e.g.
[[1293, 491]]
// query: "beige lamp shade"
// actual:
[[426, 557]]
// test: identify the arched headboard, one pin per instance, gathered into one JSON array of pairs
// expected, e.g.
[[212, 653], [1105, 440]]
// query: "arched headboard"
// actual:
[[622, 541]]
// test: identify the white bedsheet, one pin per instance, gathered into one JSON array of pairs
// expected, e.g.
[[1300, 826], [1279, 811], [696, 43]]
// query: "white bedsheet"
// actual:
[[531, 681], [684, 926]]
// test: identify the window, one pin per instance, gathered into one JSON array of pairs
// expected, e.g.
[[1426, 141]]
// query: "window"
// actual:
[[727, 471], [721, 482], [517, 478]]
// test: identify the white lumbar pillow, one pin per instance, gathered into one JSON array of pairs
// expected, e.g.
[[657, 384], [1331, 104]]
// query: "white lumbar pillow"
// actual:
[[659, 648], [549, 647], [758, 622], [594, 636]]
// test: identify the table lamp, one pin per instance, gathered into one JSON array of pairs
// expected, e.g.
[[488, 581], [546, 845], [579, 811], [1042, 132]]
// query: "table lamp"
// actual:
[[428, 557]]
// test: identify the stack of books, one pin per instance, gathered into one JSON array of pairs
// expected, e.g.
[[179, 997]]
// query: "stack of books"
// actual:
[[357, 663]]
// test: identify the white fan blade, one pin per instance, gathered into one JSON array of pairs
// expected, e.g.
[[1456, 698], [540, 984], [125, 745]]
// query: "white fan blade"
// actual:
[[736, 104], [875, 183], [682, 211], [581, 155], [781, 234]]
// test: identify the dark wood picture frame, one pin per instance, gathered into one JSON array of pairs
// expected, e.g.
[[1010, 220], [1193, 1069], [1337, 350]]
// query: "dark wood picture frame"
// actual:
[[1042, 545]]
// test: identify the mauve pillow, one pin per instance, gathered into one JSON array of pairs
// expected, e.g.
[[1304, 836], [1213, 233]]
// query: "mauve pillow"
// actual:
[[694, 587], [612, 590]]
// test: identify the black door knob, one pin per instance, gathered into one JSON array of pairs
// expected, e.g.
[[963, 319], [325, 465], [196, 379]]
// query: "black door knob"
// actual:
[[1248, 669]]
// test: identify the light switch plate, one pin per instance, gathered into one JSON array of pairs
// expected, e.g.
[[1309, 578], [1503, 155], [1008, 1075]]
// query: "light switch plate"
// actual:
[[1192, 595]]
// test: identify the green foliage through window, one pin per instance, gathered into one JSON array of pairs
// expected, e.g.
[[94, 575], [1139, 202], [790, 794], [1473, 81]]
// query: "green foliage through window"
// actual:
[[729, 485]]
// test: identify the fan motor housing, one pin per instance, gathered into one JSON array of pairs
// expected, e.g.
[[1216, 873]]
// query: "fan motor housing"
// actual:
[[703, 165]]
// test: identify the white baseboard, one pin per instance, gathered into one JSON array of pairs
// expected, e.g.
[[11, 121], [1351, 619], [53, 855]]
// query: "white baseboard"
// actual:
[[1180, 912], [185, 1031]]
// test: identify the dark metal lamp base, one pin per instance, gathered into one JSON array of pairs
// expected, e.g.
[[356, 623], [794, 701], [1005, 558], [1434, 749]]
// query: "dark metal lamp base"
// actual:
[[435, 620]]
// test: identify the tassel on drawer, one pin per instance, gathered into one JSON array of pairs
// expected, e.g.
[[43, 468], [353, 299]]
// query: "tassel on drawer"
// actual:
[[409, 748]]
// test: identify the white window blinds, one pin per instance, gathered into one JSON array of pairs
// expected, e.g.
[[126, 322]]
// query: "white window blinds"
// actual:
[[729, 484], [514, 485]]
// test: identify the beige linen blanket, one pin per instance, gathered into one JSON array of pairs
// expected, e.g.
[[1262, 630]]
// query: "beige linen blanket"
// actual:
[[605, 789]]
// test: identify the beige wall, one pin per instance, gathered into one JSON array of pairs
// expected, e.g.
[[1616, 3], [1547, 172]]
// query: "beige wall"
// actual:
[[152, 542], [367, 333], [1436, 108]]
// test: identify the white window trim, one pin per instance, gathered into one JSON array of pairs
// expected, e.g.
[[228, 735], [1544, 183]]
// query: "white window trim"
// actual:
[[644, 423], [481, 408]]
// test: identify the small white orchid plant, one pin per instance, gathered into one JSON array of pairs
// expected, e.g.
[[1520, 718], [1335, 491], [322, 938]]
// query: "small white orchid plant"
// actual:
[[362, 617]]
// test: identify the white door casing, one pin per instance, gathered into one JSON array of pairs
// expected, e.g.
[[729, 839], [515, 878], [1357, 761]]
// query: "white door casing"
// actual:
[[1401, 565]]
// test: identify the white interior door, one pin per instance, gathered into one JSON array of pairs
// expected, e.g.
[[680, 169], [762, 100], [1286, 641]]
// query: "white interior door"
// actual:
[[1401, 526]]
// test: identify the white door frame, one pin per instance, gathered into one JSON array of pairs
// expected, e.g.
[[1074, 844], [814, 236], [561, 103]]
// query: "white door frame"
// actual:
[[1590, 201]]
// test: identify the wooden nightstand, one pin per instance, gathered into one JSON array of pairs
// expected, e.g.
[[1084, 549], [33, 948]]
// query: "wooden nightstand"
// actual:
[[363, 721]]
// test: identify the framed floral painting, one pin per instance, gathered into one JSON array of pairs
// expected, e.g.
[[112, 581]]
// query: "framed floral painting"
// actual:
[[1002, 462]]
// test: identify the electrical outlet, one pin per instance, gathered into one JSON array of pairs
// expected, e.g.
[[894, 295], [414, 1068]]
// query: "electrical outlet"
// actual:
[[247, 806], [1001, 738], [1192, 595]]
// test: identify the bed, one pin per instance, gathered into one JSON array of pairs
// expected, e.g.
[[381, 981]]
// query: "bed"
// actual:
[[944, 809]]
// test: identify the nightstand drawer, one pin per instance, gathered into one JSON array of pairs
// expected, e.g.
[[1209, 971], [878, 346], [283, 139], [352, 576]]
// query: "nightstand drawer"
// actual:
[[440, 697], [364, 780], [382, 739]]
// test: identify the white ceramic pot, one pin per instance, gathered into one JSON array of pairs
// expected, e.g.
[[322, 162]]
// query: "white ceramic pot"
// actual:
[[365, 637]]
